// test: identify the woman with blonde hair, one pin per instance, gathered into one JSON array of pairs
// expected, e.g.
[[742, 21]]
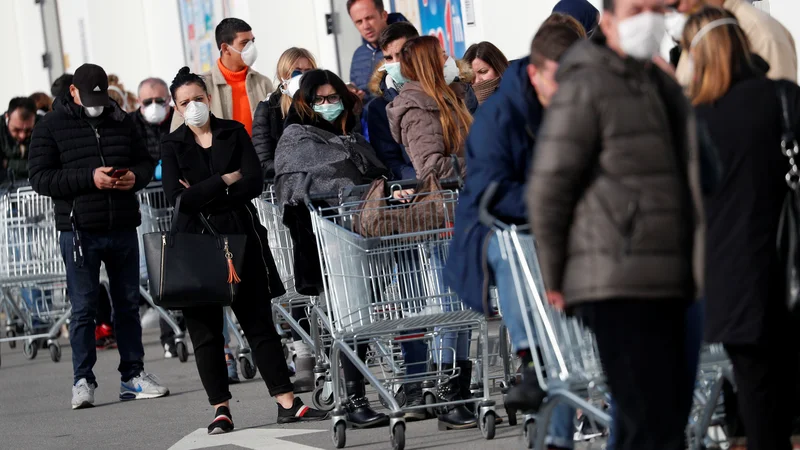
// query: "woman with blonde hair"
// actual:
[[746, 115], [432, 122], [270, 114]]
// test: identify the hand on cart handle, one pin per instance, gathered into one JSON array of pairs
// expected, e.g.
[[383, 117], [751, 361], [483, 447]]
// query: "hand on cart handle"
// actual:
[[556, 299], [402, 195]]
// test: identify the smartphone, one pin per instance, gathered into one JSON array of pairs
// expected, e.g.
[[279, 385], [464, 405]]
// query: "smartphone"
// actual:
[[118, 173]]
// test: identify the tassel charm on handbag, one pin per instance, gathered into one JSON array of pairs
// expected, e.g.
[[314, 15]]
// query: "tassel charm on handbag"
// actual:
[[233, 277]]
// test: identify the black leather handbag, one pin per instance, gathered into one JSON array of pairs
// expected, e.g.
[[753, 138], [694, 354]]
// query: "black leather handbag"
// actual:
[[190, 269], [789, 225]]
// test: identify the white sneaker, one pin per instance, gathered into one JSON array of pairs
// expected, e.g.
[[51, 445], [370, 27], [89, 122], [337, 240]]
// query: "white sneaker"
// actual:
[[168, 352], [83, 394], [142, 386]]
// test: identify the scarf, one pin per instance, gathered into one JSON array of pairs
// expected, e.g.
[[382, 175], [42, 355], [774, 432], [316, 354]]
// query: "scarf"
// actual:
[[485, 89]]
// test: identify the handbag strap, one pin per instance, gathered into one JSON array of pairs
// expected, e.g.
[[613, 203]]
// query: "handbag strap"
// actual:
[[789, 145], [173, 230]]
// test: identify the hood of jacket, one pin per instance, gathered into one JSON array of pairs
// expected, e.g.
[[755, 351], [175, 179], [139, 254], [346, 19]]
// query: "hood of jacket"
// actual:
[[582, 11]]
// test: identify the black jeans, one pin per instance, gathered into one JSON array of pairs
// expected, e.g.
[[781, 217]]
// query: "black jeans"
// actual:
[[642, 349], [255, 316], [766, 384], [119, 250], [167, 333]]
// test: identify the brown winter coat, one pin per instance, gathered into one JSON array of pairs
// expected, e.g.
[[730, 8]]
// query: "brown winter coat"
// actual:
[[414, 119], [614, 196]]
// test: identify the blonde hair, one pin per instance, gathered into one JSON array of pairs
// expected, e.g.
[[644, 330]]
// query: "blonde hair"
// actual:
[[286, 63], [718, 56], [374, 84], [421, 60]]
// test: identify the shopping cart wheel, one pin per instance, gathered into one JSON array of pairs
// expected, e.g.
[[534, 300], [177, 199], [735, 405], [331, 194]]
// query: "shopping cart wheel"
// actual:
[[319, 400], [530, 434], [339, 434], [30, 349], [248, 369], [399, 436], [183, 352], [11, 344], [488, 425], [55, 352], [430, 400]]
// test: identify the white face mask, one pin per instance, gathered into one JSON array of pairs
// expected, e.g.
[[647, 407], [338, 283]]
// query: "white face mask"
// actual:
[[196, 114], [292, 86], [699, 36], [93, 111], [154, 113], [640, 36], [451, 71], [675, 23], [249, 53]]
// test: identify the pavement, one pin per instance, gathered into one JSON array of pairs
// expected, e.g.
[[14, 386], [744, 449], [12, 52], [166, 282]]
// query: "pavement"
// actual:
[[35, 413]]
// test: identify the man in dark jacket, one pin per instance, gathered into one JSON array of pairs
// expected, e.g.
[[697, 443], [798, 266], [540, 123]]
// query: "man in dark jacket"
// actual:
[[500, 149], [88, 157], [154, 116], [15, 137], [370, 17], [616, 207]]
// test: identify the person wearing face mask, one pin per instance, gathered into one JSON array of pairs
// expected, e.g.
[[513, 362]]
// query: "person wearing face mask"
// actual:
[[615, 202], [210, 164], [154, 116], [745, 299], [318, 136], [87, 155], [488, 64], [236, 88], [499, 149], [768, 38], [270, 114]]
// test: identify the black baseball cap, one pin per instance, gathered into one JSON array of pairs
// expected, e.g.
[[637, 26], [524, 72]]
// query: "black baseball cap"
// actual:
[[92, 83]]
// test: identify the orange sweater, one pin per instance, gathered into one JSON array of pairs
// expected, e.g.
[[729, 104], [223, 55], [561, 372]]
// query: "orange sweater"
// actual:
[[241, 104]]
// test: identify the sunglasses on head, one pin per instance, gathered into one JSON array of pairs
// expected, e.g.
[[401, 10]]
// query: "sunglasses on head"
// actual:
[[158, 100]]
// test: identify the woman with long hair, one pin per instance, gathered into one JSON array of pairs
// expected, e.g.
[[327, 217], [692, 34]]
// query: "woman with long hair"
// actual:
[[319, 142], [210, 164], [488, 64], [428, 118], [432, 122], [746, 307], [271, 113]]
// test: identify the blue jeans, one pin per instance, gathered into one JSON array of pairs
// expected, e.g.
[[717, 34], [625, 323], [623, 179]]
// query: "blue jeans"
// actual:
[[562, 425], [455, 344], [119, 250]]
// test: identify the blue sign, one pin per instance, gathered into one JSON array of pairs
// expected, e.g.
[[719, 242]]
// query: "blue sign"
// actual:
[[442, 18]]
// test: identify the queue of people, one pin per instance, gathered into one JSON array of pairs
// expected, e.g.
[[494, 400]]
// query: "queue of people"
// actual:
[[651, 188]]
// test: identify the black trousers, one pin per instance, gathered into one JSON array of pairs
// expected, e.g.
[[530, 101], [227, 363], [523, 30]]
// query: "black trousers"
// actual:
[[255, 316], [766, 384], [643, 352]]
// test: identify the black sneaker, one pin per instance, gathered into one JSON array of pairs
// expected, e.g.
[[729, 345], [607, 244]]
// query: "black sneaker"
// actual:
[[299, 413], [223, 421]]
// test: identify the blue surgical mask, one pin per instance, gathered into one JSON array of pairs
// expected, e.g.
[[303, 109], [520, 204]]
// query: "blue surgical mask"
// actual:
[[393, 69], [329, 112]]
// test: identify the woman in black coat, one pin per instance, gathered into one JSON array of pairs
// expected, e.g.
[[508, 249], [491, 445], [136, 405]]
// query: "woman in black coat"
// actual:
[[211, 165], [746, 303]]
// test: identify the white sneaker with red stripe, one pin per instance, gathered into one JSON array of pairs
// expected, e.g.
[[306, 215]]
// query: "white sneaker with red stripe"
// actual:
[[299, 413], [223, 421]]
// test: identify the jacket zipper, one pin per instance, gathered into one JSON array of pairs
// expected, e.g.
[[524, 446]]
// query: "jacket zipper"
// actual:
[[108, 195], [161, 278], [261, 245]]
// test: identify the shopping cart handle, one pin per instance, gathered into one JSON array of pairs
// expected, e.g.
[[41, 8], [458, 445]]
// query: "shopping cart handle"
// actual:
[[360, 190], [488, 197]]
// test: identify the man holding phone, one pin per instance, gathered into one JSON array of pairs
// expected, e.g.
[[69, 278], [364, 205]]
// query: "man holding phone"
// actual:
[[87, 155]]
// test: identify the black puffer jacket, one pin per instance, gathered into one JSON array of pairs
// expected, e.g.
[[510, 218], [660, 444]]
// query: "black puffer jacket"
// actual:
[[267, 131], [65, 150]]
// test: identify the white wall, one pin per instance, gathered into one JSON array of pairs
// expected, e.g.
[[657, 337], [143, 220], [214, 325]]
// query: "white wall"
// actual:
[[21, 52]]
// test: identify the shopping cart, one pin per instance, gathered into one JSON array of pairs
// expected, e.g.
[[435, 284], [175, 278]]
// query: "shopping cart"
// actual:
[[358, 273], [566, 360], [32, 273], [707, 418]]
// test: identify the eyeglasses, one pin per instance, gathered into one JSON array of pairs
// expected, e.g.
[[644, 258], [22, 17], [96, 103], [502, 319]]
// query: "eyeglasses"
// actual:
[[158, 100], [332, 99]]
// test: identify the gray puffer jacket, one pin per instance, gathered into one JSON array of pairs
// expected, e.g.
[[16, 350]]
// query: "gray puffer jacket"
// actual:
[[414, 119], [614, 195]]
